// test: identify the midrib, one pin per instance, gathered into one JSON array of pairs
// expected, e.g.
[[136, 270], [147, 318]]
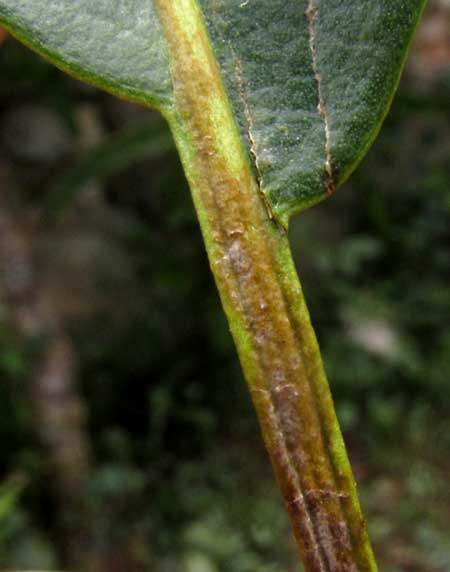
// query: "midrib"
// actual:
[[250, 259]]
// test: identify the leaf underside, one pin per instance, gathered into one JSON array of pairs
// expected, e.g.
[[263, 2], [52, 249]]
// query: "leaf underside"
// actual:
[[117, 45], [309, 81]]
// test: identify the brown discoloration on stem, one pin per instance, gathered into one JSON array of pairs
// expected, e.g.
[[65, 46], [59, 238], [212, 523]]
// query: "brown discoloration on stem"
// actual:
[[250, 258]]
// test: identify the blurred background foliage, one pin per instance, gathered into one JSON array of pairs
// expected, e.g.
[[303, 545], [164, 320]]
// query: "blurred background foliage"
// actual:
[[128, 441]]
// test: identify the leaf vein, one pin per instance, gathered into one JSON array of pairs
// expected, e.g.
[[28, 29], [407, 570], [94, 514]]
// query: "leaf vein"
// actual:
[[311, 16]]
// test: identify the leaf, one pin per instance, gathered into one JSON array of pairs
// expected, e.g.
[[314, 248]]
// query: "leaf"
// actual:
[[309, 82], [308, 85], [113, 44]]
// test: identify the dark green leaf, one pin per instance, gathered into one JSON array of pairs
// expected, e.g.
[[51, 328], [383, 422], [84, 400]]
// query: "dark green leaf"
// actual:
[[113, 44], [309, 82]]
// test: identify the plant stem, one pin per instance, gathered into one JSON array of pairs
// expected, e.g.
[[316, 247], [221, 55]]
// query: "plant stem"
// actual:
[[262, 297]]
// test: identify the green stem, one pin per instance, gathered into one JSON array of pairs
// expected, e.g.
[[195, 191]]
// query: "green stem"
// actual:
[[262, 297]]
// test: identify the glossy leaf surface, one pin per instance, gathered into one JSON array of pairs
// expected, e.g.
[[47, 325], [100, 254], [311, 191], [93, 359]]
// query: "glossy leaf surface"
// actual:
[[309, 81]]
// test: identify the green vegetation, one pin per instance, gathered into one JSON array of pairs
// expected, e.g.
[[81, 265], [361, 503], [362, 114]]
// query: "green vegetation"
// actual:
[[150, 504]]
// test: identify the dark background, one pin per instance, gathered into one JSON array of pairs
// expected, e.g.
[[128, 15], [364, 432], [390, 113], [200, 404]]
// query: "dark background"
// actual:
[[128, 442]]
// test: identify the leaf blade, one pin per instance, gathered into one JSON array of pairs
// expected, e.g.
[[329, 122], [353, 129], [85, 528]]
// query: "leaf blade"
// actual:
[[309, 82], [117, 46], [289, 62]]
